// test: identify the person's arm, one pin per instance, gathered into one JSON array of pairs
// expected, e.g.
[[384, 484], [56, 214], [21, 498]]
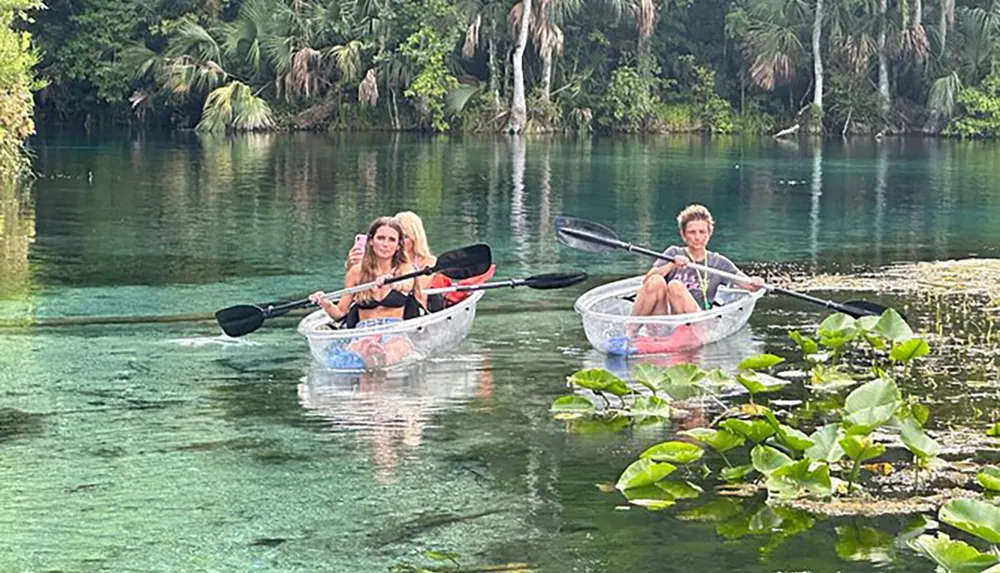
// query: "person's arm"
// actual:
[[665, 267], [418, 291], [728, 266], [337, 310]]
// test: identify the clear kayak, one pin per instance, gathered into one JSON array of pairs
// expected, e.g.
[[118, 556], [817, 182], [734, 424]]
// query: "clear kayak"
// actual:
[[611, 328], [389, 346]]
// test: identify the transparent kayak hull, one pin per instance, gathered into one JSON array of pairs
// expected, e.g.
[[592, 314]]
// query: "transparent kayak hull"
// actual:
[[612, 329], [389, 346]]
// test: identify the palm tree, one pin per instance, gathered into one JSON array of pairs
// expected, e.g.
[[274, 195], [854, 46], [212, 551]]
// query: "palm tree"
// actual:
[[485, 19], [642, 13]]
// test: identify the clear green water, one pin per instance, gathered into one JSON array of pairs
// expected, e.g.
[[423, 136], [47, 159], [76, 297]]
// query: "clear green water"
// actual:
[[156, 446]]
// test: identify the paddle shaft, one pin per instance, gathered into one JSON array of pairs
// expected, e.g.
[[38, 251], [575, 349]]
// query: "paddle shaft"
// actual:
[[703, 268], [283, 308], [484, 286]]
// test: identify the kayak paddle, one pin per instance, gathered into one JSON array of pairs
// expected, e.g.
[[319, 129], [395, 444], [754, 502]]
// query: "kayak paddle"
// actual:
[[457, 264], [596, 238], [540, 282]]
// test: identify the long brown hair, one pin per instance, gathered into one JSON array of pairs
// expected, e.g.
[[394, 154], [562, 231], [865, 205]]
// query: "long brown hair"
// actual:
[[369, 262]]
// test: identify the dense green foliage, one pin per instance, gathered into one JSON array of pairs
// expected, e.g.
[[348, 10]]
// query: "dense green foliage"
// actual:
[[618, 65], [17, 80]]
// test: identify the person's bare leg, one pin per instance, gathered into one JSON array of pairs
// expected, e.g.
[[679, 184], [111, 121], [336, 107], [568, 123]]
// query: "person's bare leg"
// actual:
[[651, 299], [679, 298]]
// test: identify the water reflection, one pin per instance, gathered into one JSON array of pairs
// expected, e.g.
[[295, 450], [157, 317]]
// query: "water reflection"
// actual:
[[17, 232], [392, 411]]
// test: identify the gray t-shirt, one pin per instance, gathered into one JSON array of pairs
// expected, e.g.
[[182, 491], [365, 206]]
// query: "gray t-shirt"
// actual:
[[691, 279]]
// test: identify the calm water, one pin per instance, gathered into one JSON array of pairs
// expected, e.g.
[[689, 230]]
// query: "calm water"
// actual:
[[157, 446]]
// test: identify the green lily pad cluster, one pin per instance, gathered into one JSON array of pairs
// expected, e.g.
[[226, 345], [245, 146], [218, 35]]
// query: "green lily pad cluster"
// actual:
[[813, 452]]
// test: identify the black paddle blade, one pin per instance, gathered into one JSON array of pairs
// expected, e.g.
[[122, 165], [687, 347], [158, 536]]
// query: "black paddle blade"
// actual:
[[584, 235], [555, 280], [861, 308], [464, 263], [240, 319]]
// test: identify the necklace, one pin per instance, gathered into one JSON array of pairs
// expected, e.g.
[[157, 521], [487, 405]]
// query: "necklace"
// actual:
[[702, 278]]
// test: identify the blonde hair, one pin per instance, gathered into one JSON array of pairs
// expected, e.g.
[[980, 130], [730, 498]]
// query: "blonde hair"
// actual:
[[695, 212], [413, 227]]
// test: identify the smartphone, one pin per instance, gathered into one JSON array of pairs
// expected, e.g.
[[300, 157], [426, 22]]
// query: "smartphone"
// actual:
[[360, 240]]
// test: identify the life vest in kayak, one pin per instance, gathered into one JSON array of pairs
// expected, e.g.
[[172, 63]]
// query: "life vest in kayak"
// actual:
[[452, 298]]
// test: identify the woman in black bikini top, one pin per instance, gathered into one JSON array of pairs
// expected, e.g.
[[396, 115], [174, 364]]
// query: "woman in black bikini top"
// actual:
[[384, 257]]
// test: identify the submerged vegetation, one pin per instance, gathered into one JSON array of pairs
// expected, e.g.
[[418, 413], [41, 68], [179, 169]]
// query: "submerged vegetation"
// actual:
[[525, 65], [855, 444]]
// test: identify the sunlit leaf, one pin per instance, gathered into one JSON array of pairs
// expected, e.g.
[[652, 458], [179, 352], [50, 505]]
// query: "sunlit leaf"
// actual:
[[994, 430], [599, 379], [679, 489], [755, 430], [643, 472], [861, 447], [720, 440], [649, 496], [650, 406], [676, 452], [867, 323], [892, 326], [951, 556], [829, 378], [802, 477], [917, 441], [650, 376], [826, 447], [736, 473], [574, 405], [910, 349], [767, 460], [871, 405], [759, 383], [760, 362], [807, 345], [989, 478], [684, 374]]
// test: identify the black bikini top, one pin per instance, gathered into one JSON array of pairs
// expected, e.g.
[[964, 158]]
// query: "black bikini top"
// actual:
[[395, 299]]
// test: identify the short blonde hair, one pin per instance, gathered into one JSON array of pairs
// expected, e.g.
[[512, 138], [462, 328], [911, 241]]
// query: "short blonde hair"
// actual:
[[695, 212], [413, 227]]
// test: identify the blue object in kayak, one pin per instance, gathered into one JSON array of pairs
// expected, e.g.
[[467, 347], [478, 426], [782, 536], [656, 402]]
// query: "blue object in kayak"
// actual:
[[345, 360], [620, 346]]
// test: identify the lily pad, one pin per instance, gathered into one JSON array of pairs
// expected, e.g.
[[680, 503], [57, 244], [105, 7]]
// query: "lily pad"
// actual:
[[650, 376], [736, 473], [910, 349], [767, 460], [892, 326], [861, 448], [825, 446], [917, 441], [802, 477], [759, 383], [806, 345], [719, 440], [755, 430], [650, 406], [643, 472], [599, 380], [676, 452], [951, 556], [989, 478], [760, 362], [979, 518], [572, 406]]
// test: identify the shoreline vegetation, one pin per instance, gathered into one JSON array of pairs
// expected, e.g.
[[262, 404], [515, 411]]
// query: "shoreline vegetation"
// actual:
[[526, 66]]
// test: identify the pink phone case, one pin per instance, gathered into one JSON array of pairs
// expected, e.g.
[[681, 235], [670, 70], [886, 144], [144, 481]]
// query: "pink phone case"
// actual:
[[360, 240]]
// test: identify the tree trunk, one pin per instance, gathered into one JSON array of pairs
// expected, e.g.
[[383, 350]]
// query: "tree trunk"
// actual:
[[883, 61], [546, 73], [817, 38], [518, 108], [494, 72]]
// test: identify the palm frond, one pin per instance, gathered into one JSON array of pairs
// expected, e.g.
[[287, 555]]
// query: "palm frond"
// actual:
[[192, 39], [944, 92], [234, 107], [348, 59], [368, 89]]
